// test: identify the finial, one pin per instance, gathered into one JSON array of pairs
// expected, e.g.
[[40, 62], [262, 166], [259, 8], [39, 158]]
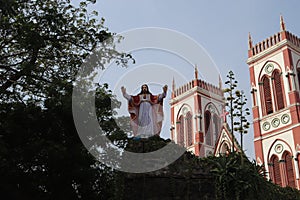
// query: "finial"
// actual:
[[282, 24], [173, 85], [196, 72], [249, 41], [220, 82]]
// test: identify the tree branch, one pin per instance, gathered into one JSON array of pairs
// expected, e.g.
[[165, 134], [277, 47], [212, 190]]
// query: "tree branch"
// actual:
[[21, 73]]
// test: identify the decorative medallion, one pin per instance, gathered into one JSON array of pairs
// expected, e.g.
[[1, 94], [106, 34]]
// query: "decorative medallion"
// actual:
[[266, 126], [285, 118], [269, 68], [278, 148], [275, 122]]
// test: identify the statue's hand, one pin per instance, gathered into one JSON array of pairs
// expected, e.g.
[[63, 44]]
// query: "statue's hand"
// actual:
[[165, 88], [123, 89]]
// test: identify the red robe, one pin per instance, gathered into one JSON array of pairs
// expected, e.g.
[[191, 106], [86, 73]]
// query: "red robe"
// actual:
[[157, 113]]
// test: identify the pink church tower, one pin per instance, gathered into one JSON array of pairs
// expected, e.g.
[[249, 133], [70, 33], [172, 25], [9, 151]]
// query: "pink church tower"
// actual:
[[196, 121], [274, 65]]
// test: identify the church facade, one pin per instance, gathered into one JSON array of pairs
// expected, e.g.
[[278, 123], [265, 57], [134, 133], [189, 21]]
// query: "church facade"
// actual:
[[274, 66], [197, 121]]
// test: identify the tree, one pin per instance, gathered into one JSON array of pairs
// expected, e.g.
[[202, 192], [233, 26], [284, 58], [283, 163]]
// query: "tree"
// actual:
[[247, 181], [235, 103], [43, 44], [42, 47], [241, 113], [42, 156], [232, 84]]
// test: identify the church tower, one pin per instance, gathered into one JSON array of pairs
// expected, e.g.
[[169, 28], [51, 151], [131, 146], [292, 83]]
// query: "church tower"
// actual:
[[196, 109], [274, 65]]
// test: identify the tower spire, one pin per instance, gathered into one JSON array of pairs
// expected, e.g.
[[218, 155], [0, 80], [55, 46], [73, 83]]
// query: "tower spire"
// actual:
[[173, 85], [249, 41], [282, 24], [173, 88], [196, 72], [220, 82]]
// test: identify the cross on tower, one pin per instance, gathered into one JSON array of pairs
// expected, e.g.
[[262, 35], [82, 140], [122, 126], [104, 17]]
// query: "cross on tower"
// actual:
[[224, 114]]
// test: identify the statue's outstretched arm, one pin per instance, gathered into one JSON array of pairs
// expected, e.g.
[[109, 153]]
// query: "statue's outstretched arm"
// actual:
[[125, 95], [164, 94]]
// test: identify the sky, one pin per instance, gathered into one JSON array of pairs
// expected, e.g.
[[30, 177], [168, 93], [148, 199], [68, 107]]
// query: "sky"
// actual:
[[220, 28]]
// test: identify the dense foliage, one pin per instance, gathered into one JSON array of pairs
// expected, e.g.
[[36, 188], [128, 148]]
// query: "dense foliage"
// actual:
[[230, 177], [42, 157], [42, 45]]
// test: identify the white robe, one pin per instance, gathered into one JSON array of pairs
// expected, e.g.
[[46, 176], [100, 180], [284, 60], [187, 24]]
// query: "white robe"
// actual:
[[147, 117]]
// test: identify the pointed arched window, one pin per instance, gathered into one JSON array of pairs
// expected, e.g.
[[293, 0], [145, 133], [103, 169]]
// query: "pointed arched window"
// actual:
[[217, 125], [189, 120], [224, 150], [289, 169], [278, 90], [267, 95], [180, 137], [276, 170], [208, 128]]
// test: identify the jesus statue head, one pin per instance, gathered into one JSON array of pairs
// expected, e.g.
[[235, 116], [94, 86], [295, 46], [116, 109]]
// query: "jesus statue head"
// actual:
[[145, 89]]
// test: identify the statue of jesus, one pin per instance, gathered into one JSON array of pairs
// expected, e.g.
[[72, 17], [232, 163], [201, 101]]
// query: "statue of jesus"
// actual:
[[146, 111]]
